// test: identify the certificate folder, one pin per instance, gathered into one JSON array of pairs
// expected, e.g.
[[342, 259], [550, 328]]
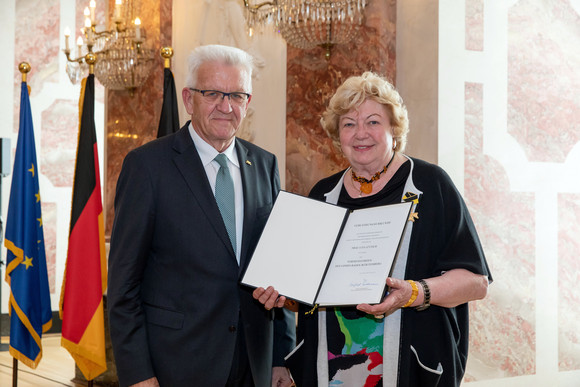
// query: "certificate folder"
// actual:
[[319, 253]]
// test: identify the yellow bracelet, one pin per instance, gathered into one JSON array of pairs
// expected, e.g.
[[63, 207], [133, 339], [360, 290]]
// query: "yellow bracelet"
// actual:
[[414, 294]]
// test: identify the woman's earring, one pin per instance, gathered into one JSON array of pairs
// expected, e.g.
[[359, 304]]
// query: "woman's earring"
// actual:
[[394, 144]]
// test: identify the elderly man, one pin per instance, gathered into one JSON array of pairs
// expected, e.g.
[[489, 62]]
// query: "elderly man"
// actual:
[[189, 210]]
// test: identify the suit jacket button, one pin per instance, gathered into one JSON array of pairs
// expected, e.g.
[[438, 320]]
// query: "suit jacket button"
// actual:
[[232, 328]]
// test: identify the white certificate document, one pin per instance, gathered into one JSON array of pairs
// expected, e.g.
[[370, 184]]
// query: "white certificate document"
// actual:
[[319, 253], [295, 246], [364, 256]]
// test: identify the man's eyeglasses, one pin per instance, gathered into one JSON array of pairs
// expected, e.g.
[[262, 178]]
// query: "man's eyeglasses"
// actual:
[[212, 96]]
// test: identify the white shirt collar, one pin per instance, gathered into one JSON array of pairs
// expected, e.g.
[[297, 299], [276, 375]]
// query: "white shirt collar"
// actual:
[[207, 152]]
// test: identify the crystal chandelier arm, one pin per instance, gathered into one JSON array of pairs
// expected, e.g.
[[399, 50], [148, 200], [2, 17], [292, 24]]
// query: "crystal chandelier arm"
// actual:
[[254, 8], [103, 34], [90, 58], [80, 59]]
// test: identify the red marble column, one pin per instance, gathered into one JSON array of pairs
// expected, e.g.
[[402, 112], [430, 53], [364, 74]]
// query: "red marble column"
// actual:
[[311, 81], [132, 120]]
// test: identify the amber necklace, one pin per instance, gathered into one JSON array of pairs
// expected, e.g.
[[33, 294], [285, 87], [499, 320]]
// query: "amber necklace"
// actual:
[[366, 186]]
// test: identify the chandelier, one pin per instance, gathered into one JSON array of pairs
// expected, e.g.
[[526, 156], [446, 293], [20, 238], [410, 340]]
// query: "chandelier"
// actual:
[[122, 60], [307, 24]]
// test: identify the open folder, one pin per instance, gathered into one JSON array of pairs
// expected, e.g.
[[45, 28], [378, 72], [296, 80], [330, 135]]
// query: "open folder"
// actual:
[[319, 253]]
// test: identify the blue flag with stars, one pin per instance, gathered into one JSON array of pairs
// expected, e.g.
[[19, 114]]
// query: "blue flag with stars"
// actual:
[[29, 304]]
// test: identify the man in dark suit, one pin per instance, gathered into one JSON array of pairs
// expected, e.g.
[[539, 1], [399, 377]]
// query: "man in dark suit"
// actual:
[[178, 315]]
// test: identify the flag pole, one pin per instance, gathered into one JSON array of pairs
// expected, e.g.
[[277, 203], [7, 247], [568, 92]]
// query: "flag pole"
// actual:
[[167, 53], [14, 372], [91, 59], [24, 68]]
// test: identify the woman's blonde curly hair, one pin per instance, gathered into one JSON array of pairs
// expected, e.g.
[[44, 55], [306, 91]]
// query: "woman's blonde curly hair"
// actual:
[[357, 89]]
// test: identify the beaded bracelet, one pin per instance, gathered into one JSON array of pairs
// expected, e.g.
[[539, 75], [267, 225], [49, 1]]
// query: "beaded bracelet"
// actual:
[[426, 294], [414, 294]]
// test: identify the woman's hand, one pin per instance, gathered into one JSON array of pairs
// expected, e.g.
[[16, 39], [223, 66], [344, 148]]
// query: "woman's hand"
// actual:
[[452, 288], [399, 294], [269, 297]]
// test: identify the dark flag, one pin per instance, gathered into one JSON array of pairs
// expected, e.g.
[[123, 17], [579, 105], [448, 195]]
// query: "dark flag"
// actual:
[[169, 120], [29, 304], [85, 277]]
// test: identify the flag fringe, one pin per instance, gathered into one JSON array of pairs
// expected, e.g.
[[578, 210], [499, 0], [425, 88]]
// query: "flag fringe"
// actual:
[[88, 362], [24, 359]]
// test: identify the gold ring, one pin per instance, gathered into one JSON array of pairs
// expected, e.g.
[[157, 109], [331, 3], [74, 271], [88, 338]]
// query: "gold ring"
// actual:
[[379, 316]]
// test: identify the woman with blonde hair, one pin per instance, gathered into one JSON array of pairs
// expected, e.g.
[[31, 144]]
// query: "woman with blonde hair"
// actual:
[[418, 334]]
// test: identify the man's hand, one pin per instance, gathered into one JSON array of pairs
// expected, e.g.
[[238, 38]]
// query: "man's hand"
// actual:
[[270, 297], [281, 377], [153, 382]]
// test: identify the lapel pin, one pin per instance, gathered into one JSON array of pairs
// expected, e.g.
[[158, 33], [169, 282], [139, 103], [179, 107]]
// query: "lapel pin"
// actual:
[[248, 162]]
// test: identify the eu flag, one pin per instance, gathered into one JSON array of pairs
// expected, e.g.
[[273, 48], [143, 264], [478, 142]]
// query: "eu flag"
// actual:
[[29, 304]]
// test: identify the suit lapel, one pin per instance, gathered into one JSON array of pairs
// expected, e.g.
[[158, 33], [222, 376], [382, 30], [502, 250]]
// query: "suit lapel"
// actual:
[[250, 186], [189, 165]]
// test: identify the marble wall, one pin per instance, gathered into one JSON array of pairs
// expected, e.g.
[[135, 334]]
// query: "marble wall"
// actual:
[[509, 97], [133, 119]]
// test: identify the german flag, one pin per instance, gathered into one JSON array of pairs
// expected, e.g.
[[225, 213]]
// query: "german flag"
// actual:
[[85, 277]]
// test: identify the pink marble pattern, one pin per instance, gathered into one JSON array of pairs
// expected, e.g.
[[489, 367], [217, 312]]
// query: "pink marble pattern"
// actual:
[[568, 280], [543, 78], [59, 142], [502, 330], [311, 81], [40, 49], [474, 25], [544, 101], [49, 216]]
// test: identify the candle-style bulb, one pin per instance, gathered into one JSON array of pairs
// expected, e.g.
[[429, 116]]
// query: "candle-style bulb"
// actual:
[[137, 29], [87, 12], [66, 36], [92, 6], [79, 46], [117, 15]]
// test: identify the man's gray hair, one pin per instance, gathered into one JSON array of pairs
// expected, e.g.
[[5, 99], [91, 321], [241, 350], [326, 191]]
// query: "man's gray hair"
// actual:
[[218, 53]]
